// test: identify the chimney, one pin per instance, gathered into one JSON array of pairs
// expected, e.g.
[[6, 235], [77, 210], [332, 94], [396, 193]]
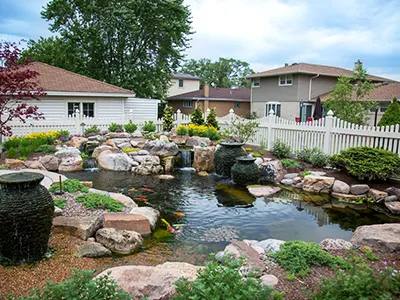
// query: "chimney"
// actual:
[[357, 63], [286, 65], [206, 90]]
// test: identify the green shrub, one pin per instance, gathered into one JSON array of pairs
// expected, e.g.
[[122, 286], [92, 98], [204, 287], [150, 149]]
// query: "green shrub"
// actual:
[[212, 134], [60, 203], [197, 116], [367, 162], [12, 152], [281, 149], [168, 118], [92, 130], [69, 186], [26, 150], [212, 119], [149, 126], [314, 156], [46, 149], [224, 282], [114, 127], [298, 256], [80, 286], [182, 130], [391, 115], [13, 142], [360, 282], [241, 130], [26, 142], [290, 163], [94, 201], [130, 127]]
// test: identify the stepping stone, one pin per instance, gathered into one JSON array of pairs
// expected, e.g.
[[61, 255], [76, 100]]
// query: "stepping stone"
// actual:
[[131, 222], [262, 190]]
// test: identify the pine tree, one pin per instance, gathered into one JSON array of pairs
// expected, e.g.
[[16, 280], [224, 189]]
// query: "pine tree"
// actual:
[[212, 119], [168, 118], [391, 115], [197, 116]]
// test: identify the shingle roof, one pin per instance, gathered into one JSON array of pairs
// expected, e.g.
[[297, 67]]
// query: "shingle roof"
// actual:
[[216, 94], [304, 68], [184, 76], [56, 79], [381, 92]]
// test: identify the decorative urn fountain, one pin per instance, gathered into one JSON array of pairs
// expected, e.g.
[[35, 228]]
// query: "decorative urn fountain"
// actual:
[[225, 157], [26, 215], [245, 171]]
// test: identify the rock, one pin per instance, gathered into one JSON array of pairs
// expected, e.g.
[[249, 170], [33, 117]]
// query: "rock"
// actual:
[[358, 189], [135, 164], [203, 174], [97, 151], [91, 146], [80, 227], [318, 173], [318, 184], [165, 177], [70, 160], [57, 211], [269, 245], [138, 158], [92, 250], [164, 138], [125, 200], [168, 163], [50, 162], [14, 163], [91, 239], [114, 161], [77, 141], [383, 237], [156, 283], [131, 222], [250, 242], [287, 181], [150, 165], [394, 207], [259, 250], [161, 149], [150, 213], [392, 191], [118, 135], [347, 196], [138, 142], [197, 141], [89, 184], [239, 248], [110, 143], [335, 244], [392, 198], [137, 134], [290, 176], [262, 190], [203, 158], [272, 171], [341, 187], [119, 241], [269, 280], [143, 152], [34, 164], [258, 161], [219, 256], [297, 180], [377, 195], [178, 139]]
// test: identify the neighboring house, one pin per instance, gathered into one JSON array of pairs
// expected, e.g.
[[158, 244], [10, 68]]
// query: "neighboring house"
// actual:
[[183, 83], [222, 99], [291, 90], [68, 93]]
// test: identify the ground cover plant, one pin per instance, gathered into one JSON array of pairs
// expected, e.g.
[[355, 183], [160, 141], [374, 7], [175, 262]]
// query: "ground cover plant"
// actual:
[[94, 201], [60, 203], [69, 186], [281, 149], [290, 163], [92, 130]]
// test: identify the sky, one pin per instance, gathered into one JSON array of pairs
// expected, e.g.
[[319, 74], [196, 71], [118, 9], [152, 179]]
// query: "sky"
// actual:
[[267, 33]]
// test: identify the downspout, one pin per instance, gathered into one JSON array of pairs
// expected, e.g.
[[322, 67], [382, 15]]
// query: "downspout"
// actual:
[[309, 88]]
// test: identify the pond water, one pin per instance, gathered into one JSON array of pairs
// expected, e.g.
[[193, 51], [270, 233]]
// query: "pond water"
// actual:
[[215, 211]]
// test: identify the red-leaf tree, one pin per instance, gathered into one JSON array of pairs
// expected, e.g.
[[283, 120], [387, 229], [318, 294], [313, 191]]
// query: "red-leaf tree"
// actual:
[[18, 87]]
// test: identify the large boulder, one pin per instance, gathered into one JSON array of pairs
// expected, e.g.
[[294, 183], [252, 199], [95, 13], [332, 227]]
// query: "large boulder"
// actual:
[[204, 158], [92, 250], [392, 191], [269, 245], [168, 163], [340, 187], [119, 241], [50, 162], [131, 222], [77, 141], [115, 161], [377, 195], [80, 227], [34, 164], [14, 163], [97, 151], [118, 135], [70, 160], [271, 171], [157, 283], [150, 164], [262, 190], [198, 141], [161, 149], [178, 139], [252, 261], [394, 207], [383, 237], [91, 145], [335, 244], [318, 184], [150, 213]]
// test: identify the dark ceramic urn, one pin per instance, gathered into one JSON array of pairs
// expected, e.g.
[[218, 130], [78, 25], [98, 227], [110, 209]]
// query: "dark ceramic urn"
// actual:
[[245, 171], [26, 215], [225, 157]]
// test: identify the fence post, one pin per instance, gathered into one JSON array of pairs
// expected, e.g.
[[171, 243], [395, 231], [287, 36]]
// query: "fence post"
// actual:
[[328, 135], [178, 117], [231, 116], [271, 121]]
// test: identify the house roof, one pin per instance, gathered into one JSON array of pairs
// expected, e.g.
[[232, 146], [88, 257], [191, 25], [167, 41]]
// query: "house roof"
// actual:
[[184, 76], [381, 92], [216, 94], [59, 80], [304, 68]]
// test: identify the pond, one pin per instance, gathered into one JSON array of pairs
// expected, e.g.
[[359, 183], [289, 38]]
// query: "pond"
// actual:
[[216, 212]]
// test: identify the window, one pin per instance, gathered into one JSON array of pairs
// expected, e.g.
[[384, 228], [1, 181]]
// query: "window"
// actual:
[[88, 109], [237, 105], [72, 107], [285, 80], [85, 109], [383, 106], [180, 84], [256, 82], [275, 106], [187, 103]]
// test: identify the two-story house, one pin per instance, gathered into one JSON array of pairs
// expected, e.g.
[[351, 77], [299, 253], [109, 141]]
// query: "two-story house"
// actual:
[[291, 91], [183, 83]]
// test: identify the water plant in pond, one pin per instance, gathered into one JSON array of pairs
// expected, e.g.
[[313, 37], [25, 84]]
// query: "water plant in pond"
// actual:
[[69, 186], [290, 163], [94, 201]]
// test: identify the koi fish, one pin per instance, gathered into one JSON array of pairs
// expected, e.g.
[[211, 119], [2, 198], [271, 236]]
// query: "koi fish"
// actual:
[[132, 189], [169, 227], [141, 198], [179, 215], [146, 189]]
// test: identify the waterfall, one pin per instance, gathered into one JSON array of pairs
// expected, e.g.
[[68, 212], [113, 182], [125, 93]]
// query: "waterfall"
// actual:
[[90, 164], [186, 158]]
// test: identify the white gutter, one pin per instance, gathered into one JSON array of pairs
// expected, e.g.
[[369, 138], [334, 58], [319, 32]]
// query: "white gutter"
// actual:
[[309, 88], [85, 94]]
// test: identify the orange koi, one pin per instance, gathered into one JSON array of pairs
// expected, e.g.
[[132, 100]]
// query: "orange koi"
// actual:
[[169, 227], [179, 214], [146, 189], [141, 198]]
